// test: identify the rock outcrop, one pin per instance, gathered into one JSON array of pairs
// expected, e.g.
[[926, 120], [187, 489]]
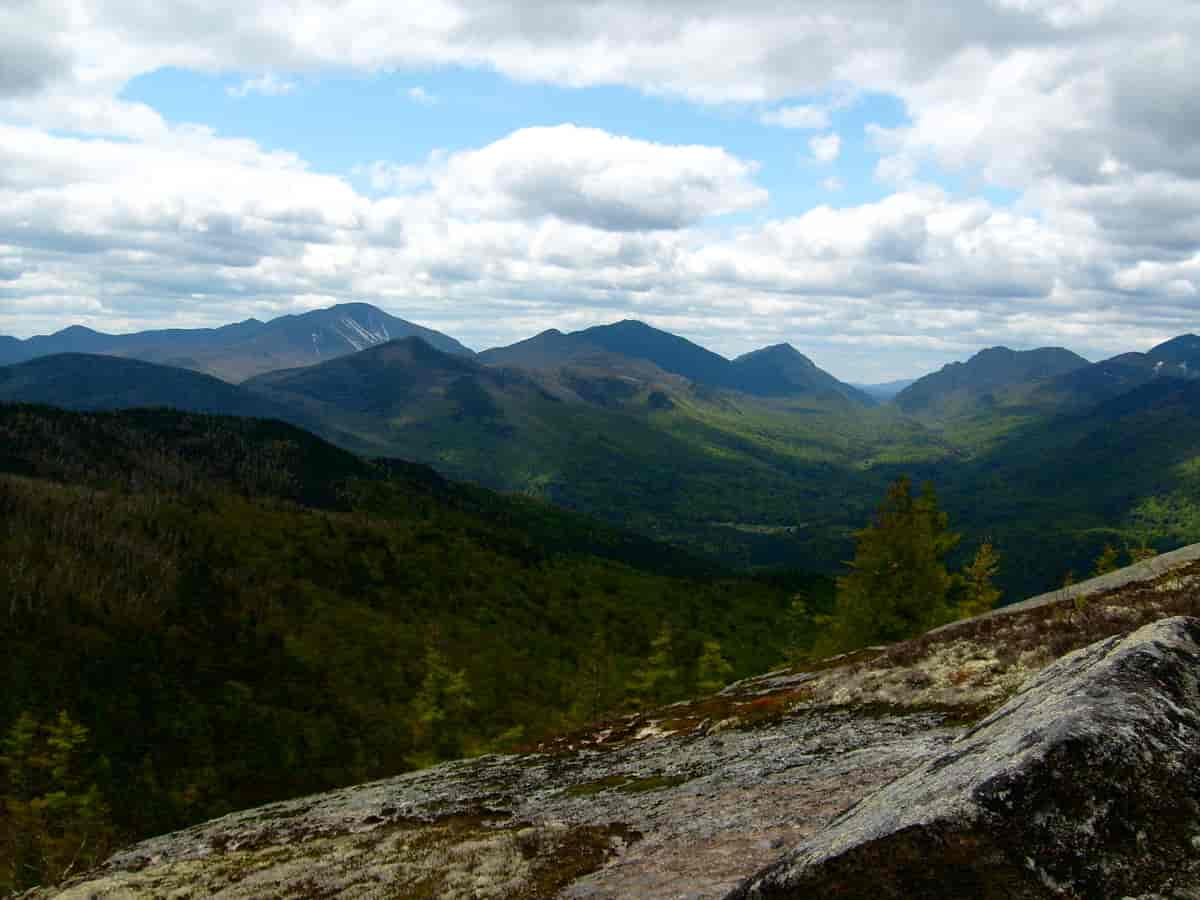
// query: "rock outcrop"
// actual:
[[986, 760], [1085, 784]]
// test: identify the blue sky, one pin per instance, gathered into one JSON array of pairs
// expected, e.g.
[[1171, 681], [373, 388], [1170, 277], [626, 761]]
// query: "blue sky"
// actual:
[[973, 174], [340, 122]]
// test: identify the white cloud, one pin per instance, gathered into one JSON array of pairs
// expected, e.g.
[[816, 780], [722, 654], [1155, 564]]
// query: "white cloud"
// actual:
[[825, 148], [1089, 110], [268, 85], [530, 232], [809, 118], [395, 178], [591, 177], [833, 183]]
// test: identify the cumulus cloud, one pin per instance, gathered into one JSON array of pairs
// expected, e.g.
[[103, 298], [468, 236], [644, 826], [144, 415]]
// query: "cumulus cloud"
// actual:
[[1088, 110], [590, 177], [825, 148], [495, 244]]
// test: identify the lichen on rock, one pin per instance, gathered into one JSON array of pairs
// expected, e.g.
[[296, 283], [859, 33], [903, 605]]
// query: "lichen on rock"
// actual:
[[1085, 784]]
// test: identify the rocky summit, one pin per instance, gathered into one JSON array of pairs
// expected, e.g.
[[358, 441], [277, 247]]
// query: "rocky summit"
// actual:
[[1048, 752]]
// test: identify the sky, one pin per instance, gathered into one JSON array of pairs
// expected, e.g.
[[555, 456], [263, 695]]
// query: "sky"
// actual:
[[886, 185]]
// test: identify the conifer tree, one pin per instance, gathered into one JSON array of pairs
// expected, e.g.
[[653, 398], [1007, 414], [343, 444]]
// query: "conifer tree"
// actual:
[[440, 710], [898, 584], [52, 822], [979, 592], [713, 671], [657, 679]]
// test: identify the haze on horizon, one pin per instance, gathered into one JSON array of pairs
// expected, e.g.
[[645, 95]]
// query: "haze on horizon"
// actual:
[[888, 187]]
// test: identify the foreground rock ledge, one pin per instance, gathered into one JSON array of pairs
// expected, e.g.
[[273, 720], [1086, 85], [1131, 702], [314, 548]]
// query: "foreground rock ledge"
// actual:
[[1085, 784]]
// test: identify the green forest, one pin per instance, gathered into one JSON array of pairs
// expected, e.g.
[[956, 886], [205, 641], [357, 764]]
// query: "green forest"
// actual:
[[211, 613], [205, 613]]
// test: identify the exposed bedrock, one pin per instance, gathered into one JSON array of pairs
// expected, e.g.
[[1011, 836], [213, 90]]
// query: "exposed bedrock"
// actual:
[[1085, 784]]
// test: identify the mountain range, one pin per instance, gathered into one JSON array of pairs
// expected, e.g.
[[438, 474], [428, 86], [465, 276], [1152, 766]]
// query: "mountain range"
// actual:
[[278, 610], [241, 350], [760, 460]]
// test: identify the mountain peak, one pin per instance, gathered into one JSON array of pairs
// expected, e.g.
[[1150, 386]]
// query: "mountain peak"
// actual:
[[960, 385], [77, 331], [782, 370], [777, 350], [1182, 350]]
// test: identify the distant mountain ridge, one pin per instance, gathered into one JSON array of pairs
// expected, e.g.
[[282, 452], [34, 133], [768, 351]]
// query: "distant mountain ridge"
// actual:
[[1178, 358], [884, 390], [87, 381], [244, 349], [775, 371], [961, 385]]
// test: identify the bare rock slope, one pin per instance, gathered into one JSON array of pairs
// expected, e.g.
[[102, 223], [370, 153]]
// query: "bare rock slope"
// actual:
[[968, 762], [1085, 784]]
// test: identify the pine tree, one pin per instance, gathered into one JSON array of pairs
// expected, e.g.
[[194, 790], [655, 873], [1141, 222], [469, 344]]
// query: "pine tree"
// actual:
[[898, 584], [979, 592]]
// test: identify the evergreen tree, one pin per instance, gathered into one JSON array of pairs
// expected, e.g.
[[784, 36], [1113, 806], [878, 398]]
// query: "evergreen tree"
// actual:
[[713, 671], [657, 679], [440, 710], [52, 822], [898, 584], [979, 590]]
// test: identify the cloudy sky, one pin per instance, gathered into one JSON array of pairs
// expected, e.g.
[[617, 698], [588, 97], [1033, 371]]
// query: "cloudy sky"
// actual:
[[887, 185]]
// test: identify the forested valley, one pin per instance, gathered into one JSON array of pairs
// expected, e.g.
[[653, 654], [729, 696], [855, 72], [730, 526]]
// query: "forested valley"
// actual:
[[202, 614]]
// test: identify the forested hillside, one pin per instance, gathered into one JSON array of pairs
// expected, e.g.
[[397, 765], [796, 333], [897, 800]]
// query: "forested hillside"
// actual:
[[235, 611]]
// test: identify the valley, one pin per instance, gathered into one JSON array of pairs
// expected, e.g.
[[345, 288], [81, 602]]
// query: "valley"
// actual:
[[328, 573], [758, 462]]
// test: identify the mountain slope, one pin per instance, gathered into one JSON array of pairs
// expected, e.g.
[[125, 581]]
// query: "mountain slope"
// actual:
[[1053, 492], [720, 471], [1176, 358], [238, 351], [238, 612], [885, 390], [960, 388], [782, 370], [662, 804], [778, 371], [86, 381]]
